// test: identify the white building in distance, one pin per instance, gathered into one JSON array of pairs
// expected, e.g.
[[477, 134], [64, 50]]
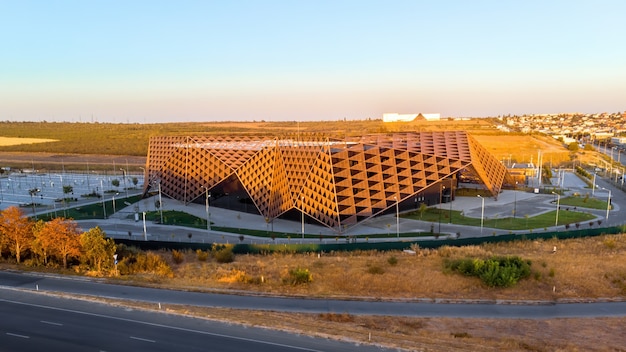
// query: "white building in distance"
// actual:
[[395, 117]]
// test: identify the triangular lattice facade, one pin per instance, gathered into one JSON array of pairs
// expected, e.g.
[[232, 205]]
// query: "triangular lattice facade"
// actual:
[[339, 183]]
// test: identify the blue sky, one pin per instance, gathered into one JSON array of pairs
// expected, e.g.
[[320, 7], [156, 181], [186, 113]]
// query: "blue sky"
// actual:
[[168, 61]]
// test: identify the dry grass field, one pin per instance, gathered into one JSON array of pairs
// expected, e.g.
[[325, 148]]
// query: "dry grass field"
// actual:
[[580, 270]]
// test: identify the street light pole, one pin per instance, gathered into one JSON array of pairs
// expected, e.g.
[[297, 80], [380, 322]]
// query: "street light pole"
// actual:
[[125, 185], [558, 201], [160, 203], [482, 212], [515, 201], [145, 233], [302, 212], [104, 208], [397, 218], [114, 202], [208, 214], [608, 205], [593, 187], [441, 188]]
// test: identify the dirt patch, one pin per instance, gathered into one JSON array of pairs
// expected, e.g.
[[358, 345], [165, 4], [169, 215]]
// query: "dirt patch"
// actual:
[[7, 141]]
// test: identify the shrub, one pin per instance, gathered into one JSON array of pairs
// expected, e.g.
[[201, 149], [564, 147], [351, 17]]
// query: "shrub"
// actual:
[[223, 254], [375, 270], [178, 256], [495, 271], [202, 255], [300, 276], [144, 263], [392, 260]]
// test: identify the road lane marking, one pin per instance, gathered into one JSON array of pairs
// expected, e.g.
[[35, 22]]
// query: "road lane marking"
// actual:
[[200, 332], [142, 339], [18, 335], [50, 323]]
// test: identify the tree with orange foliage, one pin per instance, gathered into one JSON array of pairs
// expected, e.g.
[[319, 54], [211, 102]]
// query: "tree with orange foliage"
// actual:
[[60, 238], [16, 231]]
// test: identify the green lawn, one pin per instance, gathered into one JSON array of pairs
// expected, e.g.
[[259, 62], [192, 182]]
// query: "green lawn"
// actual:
[[584, 202], [544, 220], [91, 211]]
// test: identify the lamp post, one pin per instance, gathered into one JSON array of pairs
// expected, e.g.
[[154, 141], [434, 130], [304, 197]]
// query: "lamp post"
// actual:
[[593, 186], [160, 203], [450, 211], [397, 218], [302, 212], [125, 185], [515, 200], [104, 208], [558, 201], [608, 204], [441, 188], [145, 233], [482, 212], [208, 214], [113, 197]]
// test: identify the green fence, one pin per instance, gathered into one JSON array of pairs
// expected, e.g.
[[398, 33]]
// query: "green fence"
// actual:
[[366, 246]]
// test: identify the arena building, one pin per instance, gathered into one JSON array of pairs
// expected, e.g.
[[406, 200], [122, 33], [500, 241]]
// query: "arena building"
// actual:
[[335, 182]]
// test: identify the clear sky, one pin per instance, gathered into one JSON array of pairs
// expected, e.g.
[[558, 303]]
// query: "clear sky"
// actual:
[[180, 60]]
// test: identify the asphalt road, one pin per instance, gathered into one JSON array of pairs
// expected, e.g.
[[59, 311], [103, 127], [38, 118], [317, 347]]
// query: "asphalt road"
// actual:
[[541, 310], [35, 322]]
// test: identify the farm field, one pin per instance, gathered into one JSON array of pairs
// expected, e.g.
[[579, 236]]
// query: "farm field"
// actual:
[[118, 142]]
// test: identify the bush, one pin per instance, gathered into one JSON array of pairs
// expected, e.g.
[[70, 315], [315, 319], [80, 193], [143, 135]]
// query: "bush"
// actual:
[[392, 260], [223, 254], [144, 263], [202, 255], [375, 270], [495, 271], [178, 256], [300, 276]]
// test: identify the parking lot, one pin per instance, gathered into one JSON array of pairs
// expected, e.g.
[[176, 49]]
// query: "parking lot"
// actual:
[[46, 191]]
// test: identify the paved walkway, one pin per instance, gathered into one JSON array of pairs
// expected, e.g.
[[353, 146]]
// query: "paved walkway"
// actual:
[[523, 203]]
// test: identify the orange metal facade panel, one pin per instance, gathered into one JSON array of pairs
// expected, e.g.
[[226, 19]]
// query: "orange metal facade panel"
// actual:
[[336, 182]]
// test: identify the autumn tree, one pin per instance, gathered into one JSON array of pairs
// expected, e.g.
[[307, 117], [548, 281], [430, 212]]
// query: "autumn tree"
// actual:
[[61, 239], [41, 243], [16, 231], [96, 250]]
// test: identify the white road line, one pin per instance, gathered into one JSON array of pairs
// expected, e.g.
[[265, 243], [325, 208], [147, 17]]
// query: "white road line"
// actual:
[[141, 339], [232, 337], [18, 335], [50, 323]]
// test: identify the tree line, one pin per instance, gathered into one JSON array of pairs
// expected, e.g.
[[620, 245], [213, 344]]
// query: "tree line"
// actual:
[[58, 242]]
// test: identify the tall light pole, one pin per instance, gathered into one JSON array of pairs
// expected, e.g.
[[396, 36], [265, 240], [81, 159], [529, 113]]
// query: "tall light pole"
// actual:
[[608, 204], [450, 212], [441, 188], [397, 218], [558, 203], [114, 202], [593, 186], [302, 212], [482, 212], [160, 203], [515, 200], [125, 186], [104, 208], [208, 214], [145, 233]]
